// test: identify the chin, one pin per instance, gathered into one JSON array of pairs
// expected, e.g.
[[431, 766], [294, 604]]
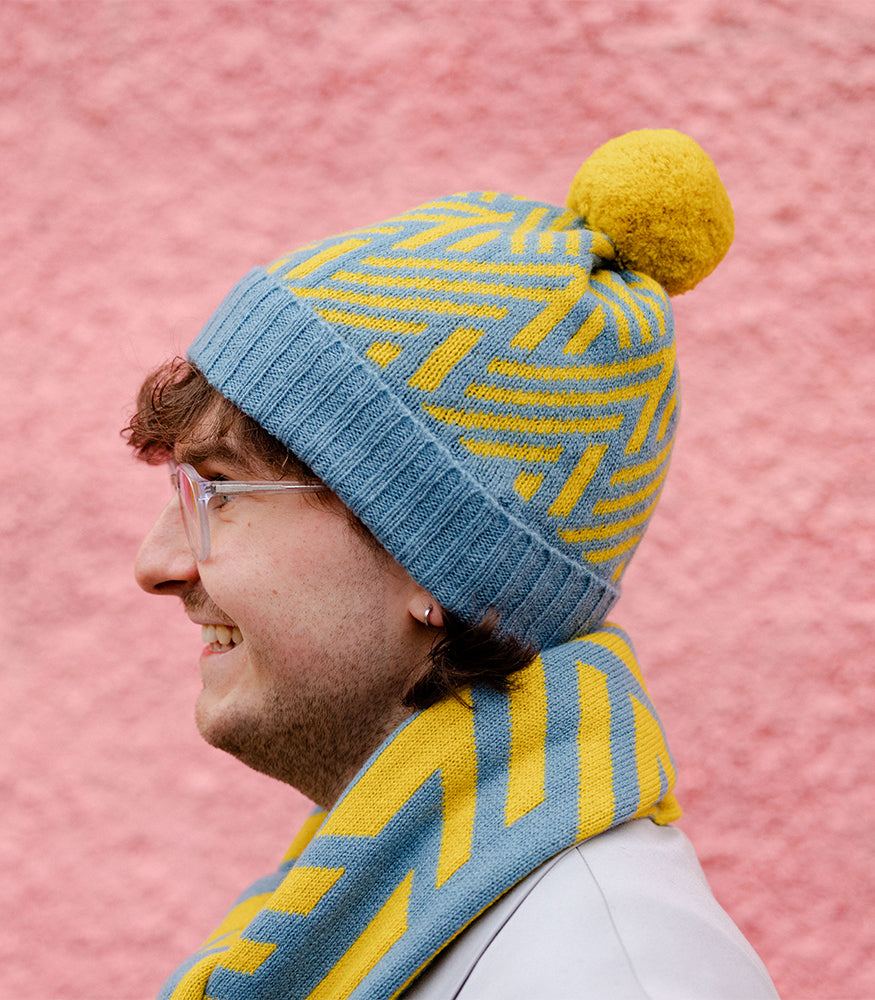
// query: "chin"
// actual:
[[287, 754], [221, 725], [235, 731]]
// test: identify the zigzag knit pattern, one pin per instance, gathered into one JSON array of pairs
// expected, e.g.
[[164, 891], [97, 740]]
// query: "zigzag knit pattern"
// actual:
[[480, 385], [454, 809], [497, 269]]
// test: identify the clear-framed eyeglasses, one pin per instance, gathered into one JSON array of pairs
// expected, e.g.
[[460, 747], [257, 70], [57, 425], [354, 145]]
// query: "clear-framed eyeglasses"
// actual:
[[195, 494]]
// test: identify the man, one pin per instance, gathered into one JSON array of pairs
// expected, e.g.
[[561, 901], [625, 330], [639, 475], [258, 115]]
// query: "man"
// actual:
[[412, 463]]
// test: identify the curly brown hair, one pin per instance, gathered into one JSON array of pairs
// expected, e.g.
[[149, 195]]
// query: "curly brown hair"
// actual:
[[177, 402]]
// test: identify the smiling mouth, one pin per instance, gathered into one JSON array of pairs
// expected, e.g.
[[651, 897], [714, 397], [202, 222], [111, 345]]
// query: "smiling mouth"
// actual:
[[221, 638]]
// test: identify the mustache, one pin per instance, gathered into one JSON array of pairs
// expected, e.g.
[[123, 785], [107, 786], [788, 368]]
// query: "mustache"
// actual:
[[198, 604]]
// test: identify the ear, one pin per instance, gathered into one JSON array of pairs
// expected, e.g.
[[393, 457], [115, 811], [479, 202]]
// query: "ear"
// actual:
[[425, 609]]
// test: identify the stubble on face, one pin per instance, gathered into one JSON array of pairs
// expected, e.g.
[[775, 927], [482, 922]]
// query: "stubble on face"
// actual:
[[319, 681], [328, 649], [312, 739]]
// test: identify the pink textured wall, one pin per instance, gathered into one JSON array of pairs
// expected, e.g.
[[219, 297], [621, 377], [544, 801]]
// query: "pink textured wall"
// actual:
[[153, 151]]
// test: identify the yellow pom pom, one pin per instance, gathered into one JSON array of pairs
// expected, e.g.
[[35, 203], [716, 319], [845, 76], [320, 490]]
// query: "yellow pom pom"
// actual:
[[658, 197]]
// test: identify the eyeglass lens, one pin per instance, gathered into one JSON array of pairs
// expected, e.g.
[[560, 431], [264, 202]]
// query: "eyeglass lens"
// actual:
[[191, 514]]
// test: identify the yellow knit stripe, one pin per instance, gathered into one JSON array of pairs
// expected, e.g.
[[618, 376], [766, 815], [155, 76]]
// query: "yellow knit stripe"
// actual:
[[545, 242], [617, 645], [624, 340], [446, 225], [227, 934], [572, 242], [630, 499], [507, 449], [402, 767], [439, 217], [318, 259], [610, 529], [666, 416], [444, 358], [380, 229], [618, 569], [248, 956], [387, 927], [667, 810], [562, 221], [193, 984], [405, 302], [663, 358], [648, 288], [238, 919], [303, 837], [532, 397], [650, 752], [642, 470], [648, 411], [602, 555], [602, 246], [631, 473], [381, 323], [649, 737], [644, 283], [527, 484], [626, 296], [524, 425], [591, 327], [578, 481], [527, 764], [596, 788], [361, 231], [303, 888], [559, 306], [651, 391], [464, 286], [282, 261], [423, 211], [383, 352], [472, 242], [518, 238], [477, 267]]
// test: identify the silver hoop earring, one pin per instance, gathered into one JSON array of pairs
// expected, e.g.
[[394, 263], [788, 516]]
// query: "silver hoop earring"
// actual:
[[428, 611]]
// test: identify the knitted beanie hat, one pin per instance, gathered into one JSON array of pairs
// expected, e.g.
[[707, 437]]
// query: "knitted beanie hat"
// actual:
[[489, 382]]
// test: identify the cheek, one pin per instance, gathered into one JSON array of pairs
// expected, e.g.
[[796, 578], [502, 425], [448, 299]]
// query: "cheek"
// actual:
[[284, 579], [291, 590]]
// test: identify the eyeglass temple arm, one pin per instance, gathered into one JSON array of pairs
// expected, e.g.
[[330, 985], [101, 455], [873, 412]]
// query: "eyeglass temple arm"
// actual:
[[220, 487]]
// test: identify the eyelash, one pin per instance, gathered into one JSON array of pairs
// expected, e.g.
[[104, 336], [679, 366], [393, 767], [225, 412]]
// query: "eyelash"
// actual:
[[222, 499]]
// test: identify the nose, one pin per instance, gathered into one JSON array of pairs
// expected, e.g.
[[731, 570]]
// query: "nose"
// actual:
[[165, 563]]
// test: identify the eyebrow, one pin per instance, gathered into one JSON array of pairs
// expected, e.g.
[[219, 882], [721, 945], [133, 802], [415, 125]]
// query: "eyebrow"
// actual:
[[198, 452], [223, 451]]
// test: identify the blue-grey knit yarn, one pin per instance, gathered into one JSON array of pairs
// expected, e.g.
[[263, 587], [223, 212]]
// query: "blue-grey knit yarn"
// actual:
[[481, 386]]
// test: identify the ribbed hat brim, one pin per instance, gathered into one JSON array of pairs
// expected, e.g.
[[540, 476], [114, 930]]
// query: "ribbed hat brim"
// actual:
[[289, 370]]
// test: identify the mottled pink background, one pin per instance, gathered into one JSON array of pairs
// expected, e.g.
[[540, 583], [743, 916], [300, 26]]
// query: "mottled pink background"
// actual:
[[153, 151]]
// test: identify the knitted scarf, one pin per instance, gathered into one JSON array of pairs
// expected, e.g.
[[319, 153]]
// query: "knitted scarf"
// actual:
[[458, 805]]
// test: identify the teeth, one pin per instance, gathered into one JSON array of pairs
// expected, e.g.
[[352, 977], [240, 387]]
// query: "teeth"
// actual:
[[221, 638]]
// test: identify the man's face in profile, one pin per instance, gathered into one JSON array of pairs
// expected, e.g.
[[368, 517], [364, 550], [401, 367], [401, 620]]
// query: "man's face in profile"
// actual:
[[310, 643]]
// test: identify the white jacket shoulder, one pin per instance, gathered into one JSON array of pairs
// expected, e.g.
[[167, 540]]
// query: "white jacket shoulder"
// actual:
[[627, 914]]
